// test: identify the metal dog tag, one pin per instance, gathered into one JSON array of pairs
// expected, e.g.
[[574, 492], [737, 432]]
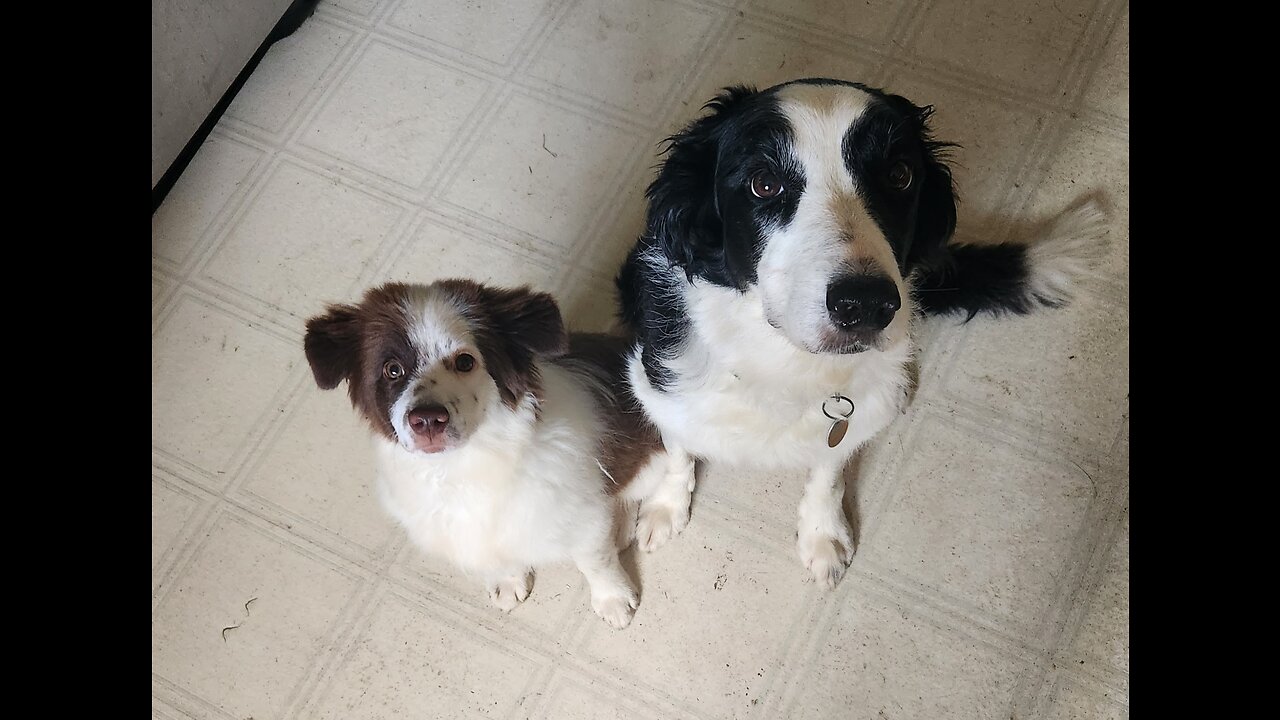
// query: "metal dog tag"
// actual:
[[840, 426]]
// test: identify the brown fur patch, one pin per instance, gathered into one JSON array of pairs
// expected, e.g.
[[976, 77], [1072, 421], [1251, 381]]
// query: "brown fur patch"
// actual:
[[511, 327], [630, 439], [822, 98], [352, 342]]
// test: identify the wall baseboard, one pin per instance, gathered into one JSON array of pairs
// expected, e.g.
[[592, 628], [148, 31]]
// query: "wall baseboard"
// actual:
[[294, 16]]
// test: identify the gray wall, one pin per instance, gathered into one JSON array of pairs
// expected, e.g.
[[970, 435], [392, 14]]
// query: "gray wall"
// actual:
[[198, 47]]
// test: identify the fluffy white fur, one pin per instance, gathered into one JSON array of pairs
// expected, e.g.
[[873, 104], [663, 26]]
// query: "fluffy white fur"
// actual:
[[495, 486], [1067, 255], [522, 491]]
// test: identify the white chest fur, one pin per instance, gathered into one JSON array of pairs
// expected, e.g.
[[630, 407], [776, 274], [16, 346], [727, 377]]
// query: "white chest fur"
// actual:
[[516, 495], [744, 394]]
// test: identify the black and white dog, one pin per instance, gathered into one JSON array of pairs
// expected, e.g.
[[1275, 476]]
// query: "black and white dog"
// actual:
[[789, 235]]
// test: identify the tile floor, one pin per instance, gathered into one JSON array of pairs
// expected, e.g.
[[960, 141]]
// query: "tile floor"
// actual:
[[510, 142]]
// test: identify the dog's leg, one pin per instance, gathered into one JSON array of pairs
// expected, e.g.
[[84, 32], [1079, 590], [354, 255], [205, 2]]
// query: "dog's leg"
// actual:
[[508, 589], [612, 595], [824, 538], [665, 512]]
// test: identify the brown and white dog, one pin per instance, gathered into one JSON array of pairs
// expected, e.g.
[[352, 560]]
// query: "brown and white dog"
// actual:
[[502, 444]]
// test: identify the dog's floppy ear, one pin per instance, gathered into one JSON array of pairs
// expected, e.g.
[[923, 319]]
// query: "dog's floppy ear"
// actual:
[[527, 318], [512, 327], [936, 213], [682, 214], [332, 345]]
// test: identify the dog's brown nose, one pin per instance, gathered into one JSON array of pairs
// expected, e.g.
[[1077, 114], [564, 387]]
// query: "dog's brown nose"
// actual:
[[428, 420]]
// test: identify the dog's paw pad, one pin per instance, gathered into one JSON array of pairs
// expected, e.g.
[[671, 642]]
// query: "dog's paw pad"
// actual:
[[658, 524], [509, 592], [617, 610], [826, 558]]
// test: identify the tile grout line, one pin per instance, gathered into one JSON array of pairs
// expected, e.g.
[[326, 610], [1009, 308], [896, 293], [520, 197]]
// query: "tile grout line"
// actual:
[[278, 138], [713, 43], [1073, 86], [315, 684]]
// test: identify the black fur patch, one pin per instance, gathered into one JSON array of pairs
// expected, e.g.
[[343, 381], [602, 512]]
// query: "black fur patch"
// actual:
[[977, 278], [653, 310]]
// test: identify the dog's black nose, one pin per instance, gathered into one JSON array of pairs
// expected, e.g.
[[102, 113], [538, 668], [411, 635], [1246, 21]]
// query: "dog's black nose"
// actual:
[[428, 420], [862, 302]]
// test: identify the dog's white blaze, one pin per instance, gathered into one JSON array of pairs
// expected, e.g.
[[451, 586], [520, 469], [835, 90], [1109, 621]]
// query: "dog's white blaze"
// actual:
[[436, 326], [436, 330], [831, 233]]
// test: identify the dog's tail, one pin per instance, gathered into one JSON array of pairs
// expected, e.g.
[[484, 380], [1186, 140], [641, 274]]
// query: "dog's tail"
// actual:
[[1016, 277]]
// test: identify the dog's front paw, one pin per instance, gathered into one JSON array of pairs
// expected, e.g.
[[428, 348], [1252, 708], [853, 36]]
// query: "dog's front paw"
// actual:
[[826, 553], [660, 521], [616, 607], [510, 591]]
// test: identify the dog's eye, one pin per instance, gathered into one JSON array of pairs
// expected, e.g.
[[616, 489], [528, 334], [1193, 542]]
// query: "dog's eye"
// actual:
[[765, 185], [900, 176], [464, 362], [393, 370]]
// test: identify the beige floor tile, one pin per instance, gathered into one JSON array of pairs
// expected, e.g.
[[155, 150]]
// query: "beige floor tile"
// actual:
[[158, 288], [603, 253], [320, 468], [395, 114], [437, 252], [1075, 385], [746, 601], [287, 74], [1073, 701], [489, 29], [212, 379], [257, 668], [1102, 641], [303, 242], [983, 526], [869, 20], [589, 304], [541, 169], [1108, 90], [171, 508], [880, 661], [760, 55], [411, 661], [629, 55], [573, 697], [557, 601], [218, 171], [993, 138], [359, 7], [1089, 162], [1024, 44]]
